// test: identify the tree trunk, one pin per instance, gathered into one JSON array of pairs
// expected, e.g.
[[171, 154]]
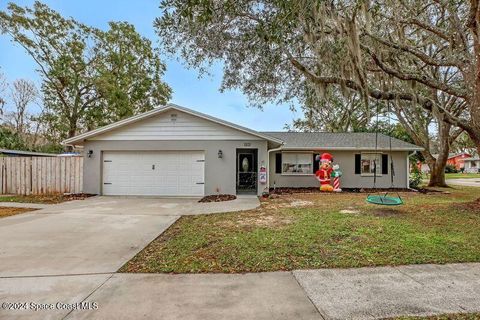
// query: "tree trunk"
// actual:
[[437, 176], [437, 166]]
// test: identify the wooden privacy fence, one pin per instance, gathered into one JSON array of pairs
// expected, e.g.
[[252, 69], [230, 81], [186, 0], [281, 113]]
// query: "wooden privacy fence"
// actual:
[[41, 175]]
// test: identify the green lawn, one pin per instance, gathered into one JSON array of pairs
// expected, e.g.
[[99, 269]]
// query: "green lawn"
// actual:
[[47, 199], [310, 231], [467, 316], [461, 175]]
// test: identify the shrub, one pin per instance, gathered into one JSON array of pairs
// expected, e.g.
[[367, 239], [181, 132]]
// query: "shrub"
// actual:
[[415, 178], [450, 168]]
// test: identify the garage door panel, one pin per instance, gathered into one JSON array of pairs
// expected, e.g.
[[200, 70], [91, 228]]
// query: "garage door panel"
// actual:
[[154, 173]]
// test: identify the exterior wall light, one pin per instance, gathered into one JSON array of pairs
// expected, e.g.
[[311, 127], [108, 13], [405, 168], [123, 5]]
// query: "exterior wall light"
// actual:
[[90, 153], [220, 154]]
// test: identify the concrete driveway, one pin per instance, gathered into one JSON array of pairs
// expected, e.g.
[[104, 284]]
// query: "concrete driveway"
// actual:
[[96, 235], [63, 253], [152, 206], [40, 244]]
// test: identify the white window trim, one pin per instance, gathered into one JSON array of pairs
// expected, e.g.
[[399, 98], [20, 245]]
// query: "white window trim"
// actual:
[[297, 173], [379, 174]]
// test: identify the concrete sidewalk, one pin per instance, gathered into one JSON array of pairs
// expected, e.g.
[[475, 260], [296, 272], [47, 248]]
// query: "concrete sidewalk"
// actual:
[[363, 293], [259, 296], [384, 292]]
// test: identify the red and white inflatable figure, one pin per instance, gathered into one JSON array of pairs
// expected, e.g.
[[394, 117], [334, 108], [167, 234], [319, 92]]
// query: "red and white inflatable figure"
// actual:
[[324, 172]]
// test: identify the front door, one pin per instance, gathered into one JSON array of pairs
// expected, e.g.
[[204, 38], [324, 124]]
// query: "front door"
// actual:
[[247, 166]]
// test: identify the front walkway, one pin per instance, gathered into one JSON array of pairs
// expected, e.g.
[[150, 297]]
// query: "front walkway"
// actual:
[[153, 206]]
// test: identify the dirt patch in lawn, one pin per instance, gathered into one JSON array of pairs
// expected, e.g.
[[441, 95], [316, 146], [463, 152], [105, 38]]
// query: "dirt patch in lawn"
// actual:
[[266, 221], [7, 211], [218, 198], [472, 206], [387, 212]]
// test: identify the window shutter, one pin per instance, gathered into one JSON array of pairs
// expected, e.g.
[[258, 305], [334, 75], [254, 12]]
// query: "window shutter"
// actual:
[[358, 159], [278, 162], [316, 164], [384, 163]]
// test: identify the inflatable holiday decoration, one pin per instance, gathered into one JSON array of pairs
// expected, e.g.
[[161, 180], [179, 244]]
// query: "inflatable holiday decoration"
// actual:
[[336, 174], [324, 172]]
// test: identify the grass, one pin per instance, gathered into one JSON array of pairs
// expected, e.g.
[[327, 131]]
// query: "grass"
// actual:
[[462, 175], [46, 199], [7, 212], [466, 316], [312, 231]]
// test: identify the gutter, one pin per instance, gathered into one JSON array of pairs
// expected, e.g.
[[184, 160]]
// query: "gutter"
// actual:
[[408, 171], [268, 164], [351, 149]]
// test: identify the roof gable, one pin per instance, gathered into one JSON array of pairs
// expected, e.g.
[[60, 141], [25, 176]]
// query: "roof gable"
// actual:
[[171, 122]]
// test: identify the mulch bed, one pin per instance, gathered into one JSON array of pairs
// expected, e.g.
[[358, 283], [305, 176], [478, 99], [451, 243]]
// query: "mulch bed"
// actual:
[[347, 190], [218, 198], [76, 196], [425, 191]]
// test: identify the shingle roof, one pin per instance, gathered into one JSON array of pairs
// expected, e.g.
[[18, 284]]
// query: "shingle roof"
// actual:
[[344, 140]]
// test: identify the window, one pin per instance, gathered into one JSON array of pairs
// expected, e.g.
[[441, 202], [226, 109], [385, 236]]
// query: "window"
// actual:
[[474, 164], [368, 163], [297, 163]]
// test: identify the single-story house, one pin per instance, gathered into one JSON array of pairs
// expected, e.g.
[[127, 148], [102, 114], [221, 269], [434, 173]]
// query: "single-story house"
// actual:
[[175, 151], [472, 165], [454, 159]]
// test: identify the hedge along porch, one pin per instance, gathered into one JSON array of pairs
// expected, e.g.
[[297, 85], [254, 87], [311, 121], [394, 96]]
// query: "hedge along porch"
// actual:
[[175, 151]]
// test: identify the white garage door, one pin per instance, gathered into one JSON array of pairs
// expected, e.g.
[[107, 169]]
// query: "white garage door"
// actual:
[[162, 173]]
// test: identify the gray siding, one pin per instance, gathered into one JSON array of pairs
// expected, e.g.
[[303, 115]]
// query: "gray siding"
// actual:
[[175, 125], [346, 161], [219, 173]]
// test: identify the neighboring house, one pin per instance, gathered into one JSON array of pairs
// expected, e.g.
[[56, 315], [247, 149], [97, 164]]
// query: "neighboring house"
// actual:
[[454, 159], [457, 159], [472, 165], [21, 153], [175, 151]]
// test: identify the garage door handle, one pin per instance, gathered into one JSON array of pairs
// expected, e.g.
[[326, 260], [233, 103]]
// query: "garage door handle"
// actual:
[[153, 167], [107, 183], [200, 182]]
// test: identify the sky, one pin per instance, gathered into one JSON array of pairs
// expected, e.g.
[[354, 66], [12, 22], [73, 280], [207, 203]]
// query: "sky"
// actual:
[[200, 94]]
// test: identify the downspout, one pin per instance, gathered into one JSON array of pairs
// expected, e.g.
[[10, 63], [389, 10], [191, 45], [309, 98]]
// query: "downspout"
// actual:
[[268, 164], [408, 171]]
